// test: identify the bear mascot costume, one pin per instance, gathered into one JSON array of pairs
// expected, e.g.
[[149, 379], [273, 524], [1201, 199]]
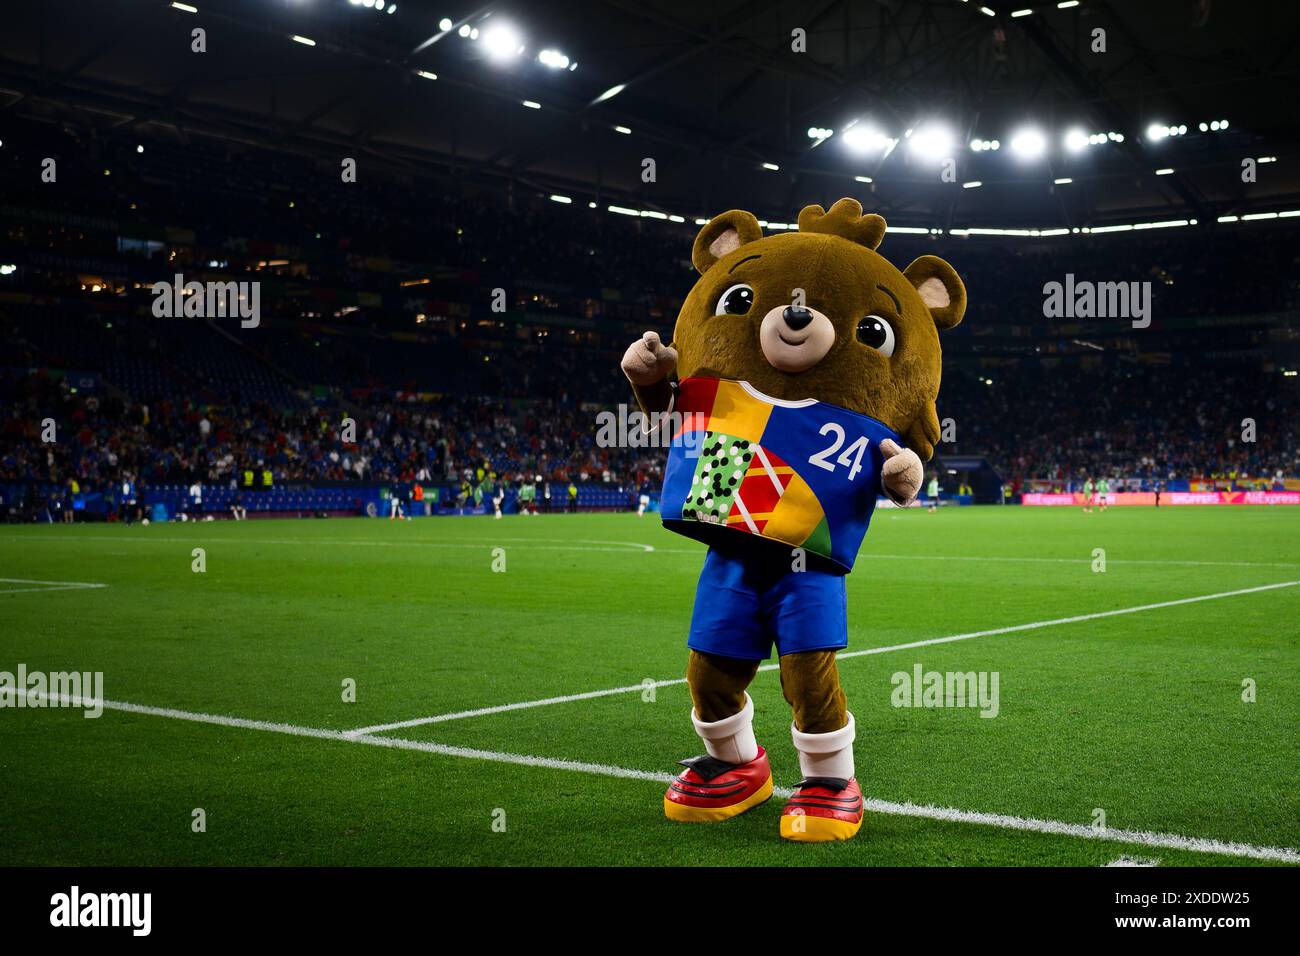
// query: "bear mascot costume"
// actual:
[[800, 385]]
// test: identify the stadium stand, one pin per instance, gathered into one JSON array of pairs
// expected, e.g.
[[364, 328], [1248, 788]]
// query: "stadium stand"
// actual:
[[388, 319]]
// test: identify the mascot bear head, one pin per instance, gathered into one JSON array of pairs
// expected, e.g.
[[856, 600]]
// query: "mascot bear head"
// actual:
[[820, 314]]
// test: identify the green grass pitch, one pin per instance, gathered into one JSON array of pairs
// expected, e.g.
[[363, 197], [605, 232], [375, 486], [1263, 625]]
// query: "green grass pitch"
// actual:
[[1138, 714]]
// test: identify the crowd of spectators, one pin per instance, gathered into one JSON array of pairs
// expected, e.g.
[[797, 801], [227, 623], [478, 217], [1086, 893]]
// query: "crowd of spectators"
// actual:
[[1031, 422], [522, 398], [97, 438], [1065, 422]]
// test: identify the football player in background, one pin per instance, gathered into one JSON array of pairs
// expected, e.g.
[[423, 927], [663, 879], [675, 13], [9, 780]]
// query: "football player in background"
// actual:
[[527, 498]]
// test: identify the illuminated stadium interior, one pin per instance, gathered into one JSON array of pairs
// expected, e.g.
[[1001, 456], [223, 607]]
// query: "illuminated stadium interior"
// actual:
[[505, 149]]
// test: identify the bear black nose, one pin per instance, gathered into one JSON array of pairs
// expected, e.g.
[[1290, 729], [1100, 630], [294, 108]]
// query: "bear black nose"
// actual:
[[796, 318]]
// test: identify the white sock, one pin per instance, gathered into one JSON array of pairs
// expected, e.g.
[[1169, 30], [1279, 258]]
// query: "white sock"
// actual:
[[826, 755], [732, 738]]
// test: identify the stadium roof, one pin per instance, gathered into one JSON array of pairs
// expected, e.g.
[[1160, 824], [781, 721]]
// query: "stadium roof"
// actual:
[[716, 96]]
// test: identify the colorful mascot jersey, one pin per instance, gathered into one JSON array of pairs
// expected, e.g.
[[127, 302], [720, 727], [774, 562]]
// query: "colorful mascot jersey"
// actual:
[[805, 474]]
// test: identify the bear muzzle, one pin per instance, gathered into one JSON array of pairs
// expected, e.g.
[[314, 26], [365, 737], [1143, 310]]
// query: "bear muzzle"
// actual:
[[795, 338]]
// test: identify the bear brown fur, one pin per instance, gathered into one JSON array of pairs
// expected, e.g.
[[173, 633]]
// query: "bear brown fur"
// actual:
[[830, 268]]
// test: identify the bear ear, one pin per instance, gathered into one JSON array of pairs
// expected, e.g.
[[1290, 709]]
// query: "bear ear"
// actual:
[[941, 289], [724, 233]]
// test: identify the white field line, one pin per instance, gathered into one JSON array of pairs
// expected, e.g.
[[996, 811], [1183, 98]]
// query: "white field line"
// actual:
[[521, 705], [1171, 841], [543, 544], [1134, 861], [47, 586], [843, 655], [1032, 559]]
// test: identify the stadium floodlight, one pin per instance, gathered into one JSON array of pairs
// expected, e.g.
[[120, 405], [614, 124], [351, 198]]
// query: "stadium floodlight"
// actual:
[[1076, 140], [931, 142], [626, 131], [185, 8], [988, 13], [974, 184], [554, 59], [1015, 14], [426, 74], [610, 93], [445, 24], [139, 149], [8, 269], [1205, 129], [1266, 159], [1164, 172], [771, 167], [1064, 180], [562, 199], [861, 138], [863, 179], [392, 8], [464, 31], [1067, 4], [819, 134], [305, 41], [1029, 143], [532, 104], [1157, 132], [502, 42]]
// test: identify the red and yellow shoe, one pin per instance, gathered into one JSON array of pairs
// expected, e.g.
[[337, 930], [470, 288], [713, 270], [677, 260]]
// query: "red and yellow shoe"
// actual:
[[709, 789], [822, 809]]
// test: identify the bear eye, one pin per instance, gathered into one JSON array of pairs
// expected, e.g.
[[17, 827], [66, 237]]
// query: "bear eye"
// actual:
[[879, 334], [737, 300]]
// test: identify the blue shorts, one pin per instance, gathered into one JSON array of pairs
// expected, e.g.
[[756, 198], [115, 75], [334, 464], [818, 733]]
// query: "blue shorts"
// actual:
[[744, 605]]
